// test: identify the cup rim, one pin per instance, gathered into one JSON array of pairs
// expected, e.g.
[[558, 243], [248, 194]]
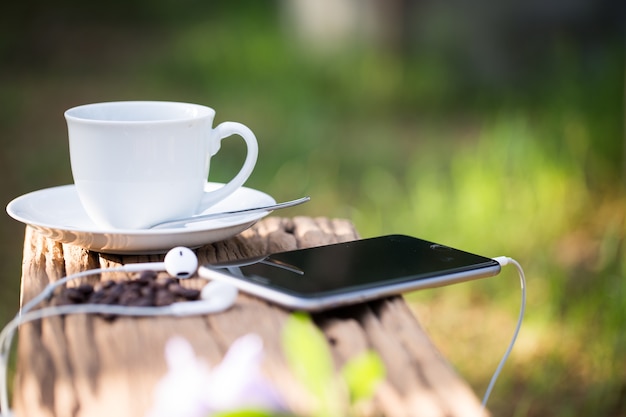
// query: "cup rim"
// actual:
[[80, 113]]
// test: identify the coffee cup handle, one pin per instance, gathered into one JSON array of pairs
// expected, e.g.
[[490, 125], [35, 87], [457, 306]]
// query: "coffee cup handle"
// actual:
[[222, 131]]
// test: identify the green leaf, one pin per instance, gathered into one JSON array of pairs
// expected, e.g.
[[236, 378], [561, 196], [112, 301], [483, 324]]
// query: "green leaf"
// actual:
[[362, 375]]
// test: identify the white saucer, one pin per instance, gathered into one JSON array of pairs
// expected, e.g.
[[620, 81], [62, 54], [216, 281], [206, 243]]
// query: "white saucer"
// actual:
[[58, 214]]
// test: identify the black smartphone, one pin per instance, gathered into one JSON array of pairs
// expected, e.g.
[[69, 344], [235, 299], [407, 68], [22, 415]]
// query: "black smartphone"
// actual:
[[330, 276]]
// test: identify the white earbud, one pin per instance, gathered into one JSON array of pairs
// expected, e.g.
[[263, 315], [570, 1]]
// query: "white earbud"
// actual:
[[215, 296], [179, 262], [219, 292]]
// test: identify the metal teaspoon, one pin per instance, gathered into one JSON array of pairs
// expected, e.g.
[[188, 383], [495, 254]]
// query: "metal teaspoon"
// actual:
[[220, 215]]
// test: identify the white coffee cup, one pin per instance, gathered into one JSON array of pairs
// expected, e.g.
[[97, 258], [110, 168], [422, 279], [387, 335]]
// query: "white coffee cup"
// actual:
[[138, 163]]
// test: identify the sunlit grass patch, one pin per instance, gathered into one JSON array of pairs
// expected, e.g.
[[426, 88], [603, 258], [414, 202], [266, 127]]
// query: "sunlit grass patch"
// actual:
[[504, 193]]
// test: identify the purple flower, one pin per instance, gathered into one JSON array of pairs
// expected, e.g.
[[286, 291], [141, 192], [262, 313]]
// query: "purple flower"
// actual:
[[192, 389]]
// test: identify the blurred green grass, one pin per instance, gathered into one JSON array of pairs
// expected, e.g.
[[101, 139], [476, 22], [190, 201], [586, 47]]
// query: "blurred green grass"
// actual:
[[397, 144]]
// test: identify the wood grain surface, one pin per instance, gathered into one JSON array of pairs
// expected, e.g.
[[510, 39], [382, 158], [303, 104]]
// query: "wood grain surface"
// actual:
[[84, 365]]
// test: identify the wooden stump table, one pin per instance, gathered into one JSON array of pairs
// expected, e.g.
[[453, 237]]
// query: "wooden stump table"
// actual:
[[84, 365]]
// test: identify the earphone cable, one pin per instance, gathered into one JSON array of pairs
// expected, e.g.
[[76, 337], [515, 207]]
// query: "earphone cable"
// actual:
[[180, 262], [7, 339], [6, 336], [9, 330], [503, 260], [47, 292]]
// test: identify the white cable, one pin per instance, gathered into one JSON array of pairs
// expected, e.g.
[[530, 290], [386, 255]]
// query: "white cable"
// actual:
[[25, 316], [47, 292], [503, 261], [6, 341], [222, 300], [138, 267], [6, 336]]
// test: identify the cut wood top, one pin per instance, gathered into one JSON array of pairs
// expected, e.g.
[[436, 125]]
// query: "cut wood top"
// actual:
[[84, 365]]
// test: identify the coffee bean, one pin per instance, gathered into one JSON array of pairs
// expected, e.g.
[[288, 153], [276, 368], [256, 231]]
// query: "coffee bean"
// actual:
[[128, 296], [141, 302], [146, 277], [163, 298], [108, 295], [186, 293], [169, 280], [116, 290], [73, 294], [108, 283], [145, 291], [86, 289], [96, 297]]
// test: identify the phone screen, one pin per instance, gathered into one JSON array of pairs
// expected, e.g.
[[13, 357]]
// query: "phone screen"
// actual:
[[385, 261]]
